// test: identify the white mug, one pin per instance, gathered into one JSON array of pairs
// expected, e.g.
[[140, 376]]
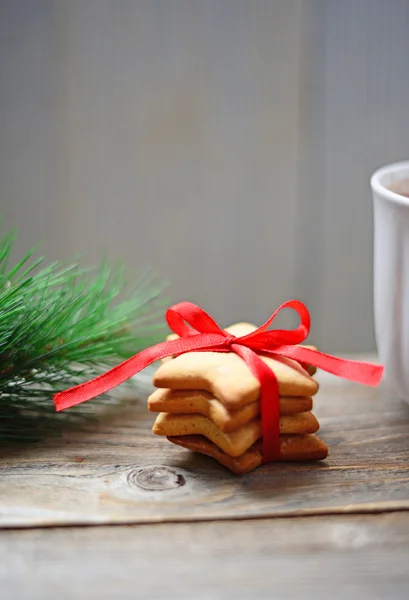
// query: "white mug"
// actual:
[[391, 273]]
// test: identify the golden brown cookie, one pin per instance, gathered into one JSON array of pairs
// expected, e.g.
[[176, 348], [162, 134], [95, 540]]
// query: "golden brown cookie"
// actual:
[[236, 442], [239, 330], [191, 401], [238, 465], [228, 378], [293, 448]]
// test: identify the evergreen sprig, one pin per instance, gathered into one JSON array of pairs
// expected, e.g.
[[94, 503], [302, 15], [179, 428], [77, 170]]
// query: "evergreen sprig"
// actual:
[[60, 325]]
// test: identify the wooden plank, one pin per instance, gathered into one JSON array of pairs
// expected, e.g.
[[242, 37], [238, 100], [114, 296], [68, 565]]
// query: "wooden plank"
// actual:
[[100, 476], [345, 557]]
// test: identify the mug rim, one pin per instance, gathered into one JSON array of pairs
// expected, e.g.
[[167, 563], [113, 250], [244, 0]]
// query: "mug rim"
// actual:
[[383, 191]]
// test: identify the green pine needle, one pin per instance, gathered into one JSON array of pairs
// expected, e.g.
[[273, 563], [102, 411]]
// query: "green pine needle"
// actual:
[[61, 325]]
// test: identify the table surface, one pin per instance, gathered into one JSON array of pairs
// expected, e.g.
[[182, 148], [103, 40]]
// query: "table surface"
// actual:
[[116, 512]]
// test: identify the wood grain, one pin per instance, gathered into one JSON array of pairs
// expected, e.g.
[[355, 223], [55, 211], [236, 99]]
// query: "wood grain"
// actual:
[[346, 557], [100, 477]]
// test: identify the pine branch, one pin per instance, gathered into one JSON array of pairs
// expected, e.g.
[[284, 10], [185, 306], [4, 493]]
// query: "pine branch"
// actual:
[[60, 325]]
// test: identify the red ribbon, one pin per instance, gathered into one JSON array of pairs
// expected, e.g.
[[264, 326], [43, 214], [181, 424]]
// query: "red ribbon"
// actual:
[[198, 332]]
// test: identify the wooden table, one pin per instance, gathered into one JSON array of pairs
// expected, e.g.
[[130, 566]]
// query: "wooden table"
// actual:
[[119, 513]]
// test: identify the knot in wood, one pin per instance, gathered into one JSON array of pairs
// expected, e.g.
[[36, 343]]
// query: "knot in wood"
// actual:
[[155, 478]]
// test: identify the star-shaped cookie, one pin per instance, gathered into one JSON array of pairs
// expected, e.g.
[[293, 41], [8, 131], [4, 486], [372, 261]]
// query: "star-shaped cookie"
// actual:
[[237, 442], [239, 330], [227, 377], [306, 447], [200, 402]]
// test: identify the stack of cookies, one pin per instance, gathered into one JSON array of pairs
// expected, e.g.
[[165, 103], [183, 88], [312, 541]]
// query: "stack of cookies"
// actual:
[[209, 403]]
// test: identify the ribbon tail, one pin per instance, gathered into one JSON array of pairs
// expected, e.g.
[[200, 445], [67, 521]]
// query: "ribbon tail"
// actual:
[[353, 370], [127, 369], [269, 402]]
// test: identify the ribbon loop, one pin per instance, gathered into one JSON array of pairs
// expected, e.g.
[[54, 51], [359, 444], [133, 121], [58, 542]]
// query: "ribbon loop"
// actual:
[[185, 312], [278, 337]]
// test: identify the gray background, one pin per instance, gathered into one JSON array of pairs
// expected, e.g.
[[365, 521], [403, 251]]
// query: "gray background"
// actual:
[[226, 143]]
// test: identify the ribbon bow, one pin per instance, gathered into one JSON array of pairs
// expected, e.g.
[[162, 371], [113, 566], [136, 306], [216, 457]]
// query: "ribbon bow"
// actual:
[[198, 332]]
